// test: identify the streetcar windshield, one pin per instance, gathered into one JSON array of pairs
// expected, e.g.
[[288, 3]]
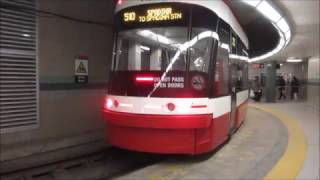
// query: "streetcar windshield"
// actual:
[[160, 51], [151, 49]]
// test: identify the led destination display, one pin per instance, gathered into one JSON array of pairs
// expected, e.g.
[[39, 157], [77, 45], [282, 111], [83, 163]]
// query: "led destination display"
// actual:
[[152, 15]]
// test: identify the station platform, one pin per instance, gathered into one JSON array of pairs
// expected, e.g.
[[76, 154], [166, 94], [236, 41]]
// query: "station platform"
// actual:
[[277, 141], [250, 154]]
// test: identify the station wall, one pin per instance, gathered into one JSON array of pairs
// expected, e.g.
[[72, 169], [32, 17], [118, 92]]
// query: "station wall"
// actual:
[[314, 83], [298, 69], [70, 114]]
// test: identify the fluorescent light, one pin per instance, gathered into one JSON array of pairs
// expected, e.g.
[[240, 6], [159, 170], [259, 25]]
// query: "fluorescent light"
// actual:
[[294, 60], [253, 3], [283, 25], [281, 34], [287, 42], [277, 49], [281, 42], [266, 9], [288, 35], [145, 48]]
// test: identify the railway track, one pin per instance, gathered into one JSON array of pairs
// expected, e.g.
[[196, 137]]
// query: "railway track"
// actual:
[[102, 165]]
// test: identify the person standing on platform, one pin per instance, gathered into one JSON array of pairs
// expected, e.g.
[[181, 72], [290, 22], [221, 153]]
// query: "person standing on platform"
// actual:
[[282, 85], [256, 87], [294, 88]]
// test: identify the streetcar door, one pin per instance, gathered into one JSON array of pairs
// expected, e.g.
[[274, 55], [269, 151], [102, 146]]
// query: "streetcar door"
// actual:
[[233, 92]]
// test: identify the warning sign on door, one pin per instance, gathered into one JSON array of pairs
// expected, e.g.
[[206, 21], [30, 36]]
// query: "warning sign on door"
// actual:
[[81, 70]]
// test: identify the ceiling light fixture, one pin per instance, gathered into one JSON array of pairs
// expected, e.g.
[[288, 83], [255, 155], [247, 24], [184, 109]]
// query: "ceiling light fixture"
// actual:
[[268, 11], [280, 46], [252, 3], [145, 48], [283, 25], [288, 35], [294, 60]]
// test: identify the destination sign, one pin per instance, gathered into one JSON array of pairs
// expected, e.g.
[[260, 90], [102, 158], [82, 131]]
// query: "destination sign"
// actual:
[[152, 15]]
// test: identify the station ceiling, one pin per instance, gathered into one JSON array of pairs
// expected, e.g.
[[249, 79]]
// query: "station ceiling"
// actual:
[[303, 16], [263, 37]]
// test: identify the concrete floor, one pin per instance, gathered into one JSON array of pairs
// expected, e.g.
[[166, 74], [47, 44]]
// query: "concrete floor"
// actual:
[[250, 154], [308, 119]]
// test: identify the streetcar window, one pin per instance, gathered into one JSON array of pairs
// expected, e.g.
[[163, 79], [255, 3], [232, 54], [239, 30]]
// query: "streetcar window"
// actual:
[[242, 81], [221, 77], [151, 49], [239, 82], [239, 46], [245, 75], [200, 52], [224, 32], [233, 43], [221, 74], [242, 49]]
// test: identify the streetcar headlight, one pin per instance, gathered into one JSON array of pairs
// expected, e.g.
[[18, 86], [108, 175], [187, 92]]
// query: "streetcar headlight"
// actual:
[[108, 103]]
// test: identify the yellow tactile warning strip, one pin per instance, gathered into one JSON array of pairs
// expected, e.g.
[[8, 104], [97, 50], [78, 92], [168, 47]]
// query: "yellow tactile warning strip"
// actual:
[[291, 162]]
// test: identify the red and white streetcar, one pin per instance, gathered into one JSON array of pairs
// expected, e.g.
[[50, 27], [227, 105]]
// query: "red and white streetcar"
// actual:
[[179, 76]]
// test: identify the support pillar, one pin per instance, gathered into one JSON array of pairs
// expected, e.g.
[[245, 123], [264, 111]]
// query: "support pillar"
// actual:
[[270, 82]]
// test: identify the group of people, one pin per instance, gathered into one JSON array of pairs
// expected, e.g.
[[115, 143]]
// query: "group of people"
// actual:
[[294, 84], [281, 83]]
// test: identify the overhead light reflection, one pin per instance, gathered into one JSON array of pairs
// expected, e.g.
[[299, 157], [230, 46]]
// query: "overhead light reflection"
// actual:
[[225, 46], [183, 48], [267, 10], [145, 48], [154, 36], [252, 3], [283, 25]]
